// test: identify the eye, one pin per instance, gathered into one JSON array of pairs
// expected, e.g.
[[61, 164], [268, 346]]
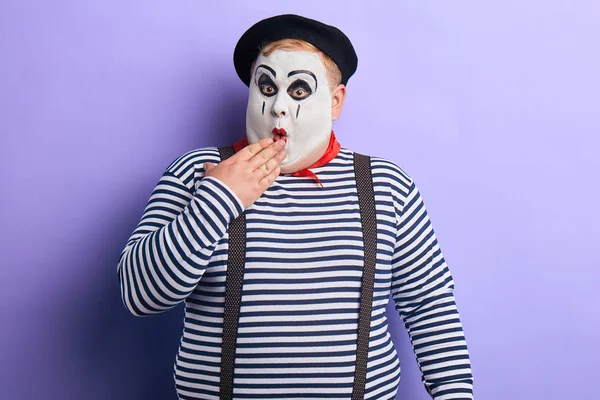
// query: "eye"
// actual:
[[267, 89], [300, 93], [266, 85], [299, 90]]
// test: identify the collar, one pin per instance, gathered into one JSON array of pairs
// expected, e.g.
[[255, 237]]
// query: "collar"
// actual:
[[332, 151]]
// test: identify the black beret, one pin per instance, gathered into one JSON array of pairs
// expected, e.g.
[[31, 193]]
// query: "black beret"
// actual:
[[329, 39]]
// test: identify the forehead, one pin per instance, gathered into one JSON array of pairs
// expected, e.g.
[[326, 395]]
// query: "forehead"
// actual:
[[285, 61]]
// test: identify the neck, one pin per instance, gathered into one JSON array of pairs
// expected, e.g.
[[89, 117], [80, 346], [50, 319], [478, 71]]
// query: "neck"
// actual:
[[307, 160]]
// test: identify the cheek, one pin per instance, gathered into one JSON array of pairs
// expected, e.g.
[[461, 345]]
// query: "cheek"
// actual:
[[317, 107], [254, 96], [324, 101], [258, 105]]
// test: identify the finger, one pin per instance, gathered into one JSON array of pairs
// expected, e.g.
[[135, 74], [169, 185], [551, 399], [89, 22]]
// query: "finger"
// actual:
[[266, 154], [267, 167], [265, 182], [254, 148]]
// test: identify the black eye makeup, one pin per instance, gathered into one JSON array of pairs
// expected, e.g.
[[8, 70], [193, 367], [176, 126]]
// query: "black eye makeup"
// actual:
[[307, 72], [266, 85], [299, 90]]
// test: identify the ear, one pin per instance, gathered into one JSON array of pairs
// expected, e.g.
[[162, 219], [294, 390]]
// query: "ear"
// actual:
[[337, 101]]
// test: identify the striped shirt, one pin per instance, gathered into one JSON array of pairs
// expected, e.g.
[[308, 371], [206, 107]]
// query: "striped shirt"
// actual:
[[301, 288]]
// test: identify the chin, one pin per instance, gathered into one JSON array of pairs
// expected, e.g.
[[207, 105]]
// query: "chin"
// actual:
[[287, 166]]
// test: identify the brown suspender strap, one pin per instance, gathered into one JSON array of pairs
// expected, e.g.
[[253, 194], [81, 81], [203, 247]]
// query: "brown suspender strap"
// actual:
[[235, 271]]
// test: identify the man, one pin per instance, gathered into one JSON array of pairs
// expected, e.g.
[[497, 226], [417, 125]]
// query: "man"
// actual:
[[296, 186]]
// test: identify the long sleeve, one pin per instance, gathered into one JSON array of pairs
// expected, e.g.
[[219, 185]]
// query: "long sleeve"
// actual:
[[169, 250], [422, 290]]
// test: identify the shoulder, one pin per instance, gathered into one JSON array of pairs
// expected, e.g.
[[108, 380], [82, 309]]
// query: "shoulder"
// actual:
[[189, 165], [399, 181], [394, 179], [390, 173]]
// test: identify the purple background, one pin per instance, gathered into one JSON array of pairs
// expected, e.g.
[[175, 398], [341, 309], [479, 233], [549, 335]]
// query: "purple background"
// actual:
[[493, 108]]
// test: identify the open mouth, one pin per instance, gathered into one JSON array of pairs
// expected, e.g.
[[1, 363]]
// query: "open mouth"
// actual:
[[279, 133]]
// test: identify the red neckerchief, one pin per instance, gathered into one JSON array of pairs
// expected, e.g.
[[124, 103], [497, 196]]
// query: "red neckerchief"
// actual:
[[332, 151]]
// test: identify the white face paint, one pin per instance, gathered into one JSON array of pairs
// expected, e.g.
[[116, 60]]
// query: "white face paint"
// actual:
[[289, 90]]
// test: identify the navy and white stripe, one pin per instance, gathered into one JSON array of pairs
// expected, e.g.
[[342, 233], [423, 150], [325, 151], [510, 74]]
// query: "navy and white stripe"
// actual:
[[301, 288]]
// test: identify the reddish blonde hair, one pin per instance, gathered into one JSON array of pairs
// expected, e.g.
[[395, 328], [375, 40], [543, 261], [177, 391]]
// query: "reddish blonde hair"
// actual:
[[334, 75]]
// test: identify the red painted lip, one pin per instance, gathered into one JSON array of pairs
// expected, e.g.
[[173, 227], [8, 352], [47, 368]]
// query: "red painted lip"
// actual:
[[279, 131]]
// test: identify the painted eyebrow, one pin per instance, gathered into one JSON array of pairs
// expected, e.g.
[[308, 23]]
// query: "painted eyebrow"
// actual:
[[267, 68], [303, 71]]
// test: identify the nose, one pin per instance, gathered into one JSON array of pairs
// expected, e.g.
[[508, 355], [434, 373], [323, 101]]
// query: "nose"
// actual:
[[279, 108]]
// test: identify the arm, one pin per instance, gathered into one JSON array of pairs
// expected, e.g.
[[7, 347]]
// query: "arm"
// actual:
[[422, 290], [169, 250]]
